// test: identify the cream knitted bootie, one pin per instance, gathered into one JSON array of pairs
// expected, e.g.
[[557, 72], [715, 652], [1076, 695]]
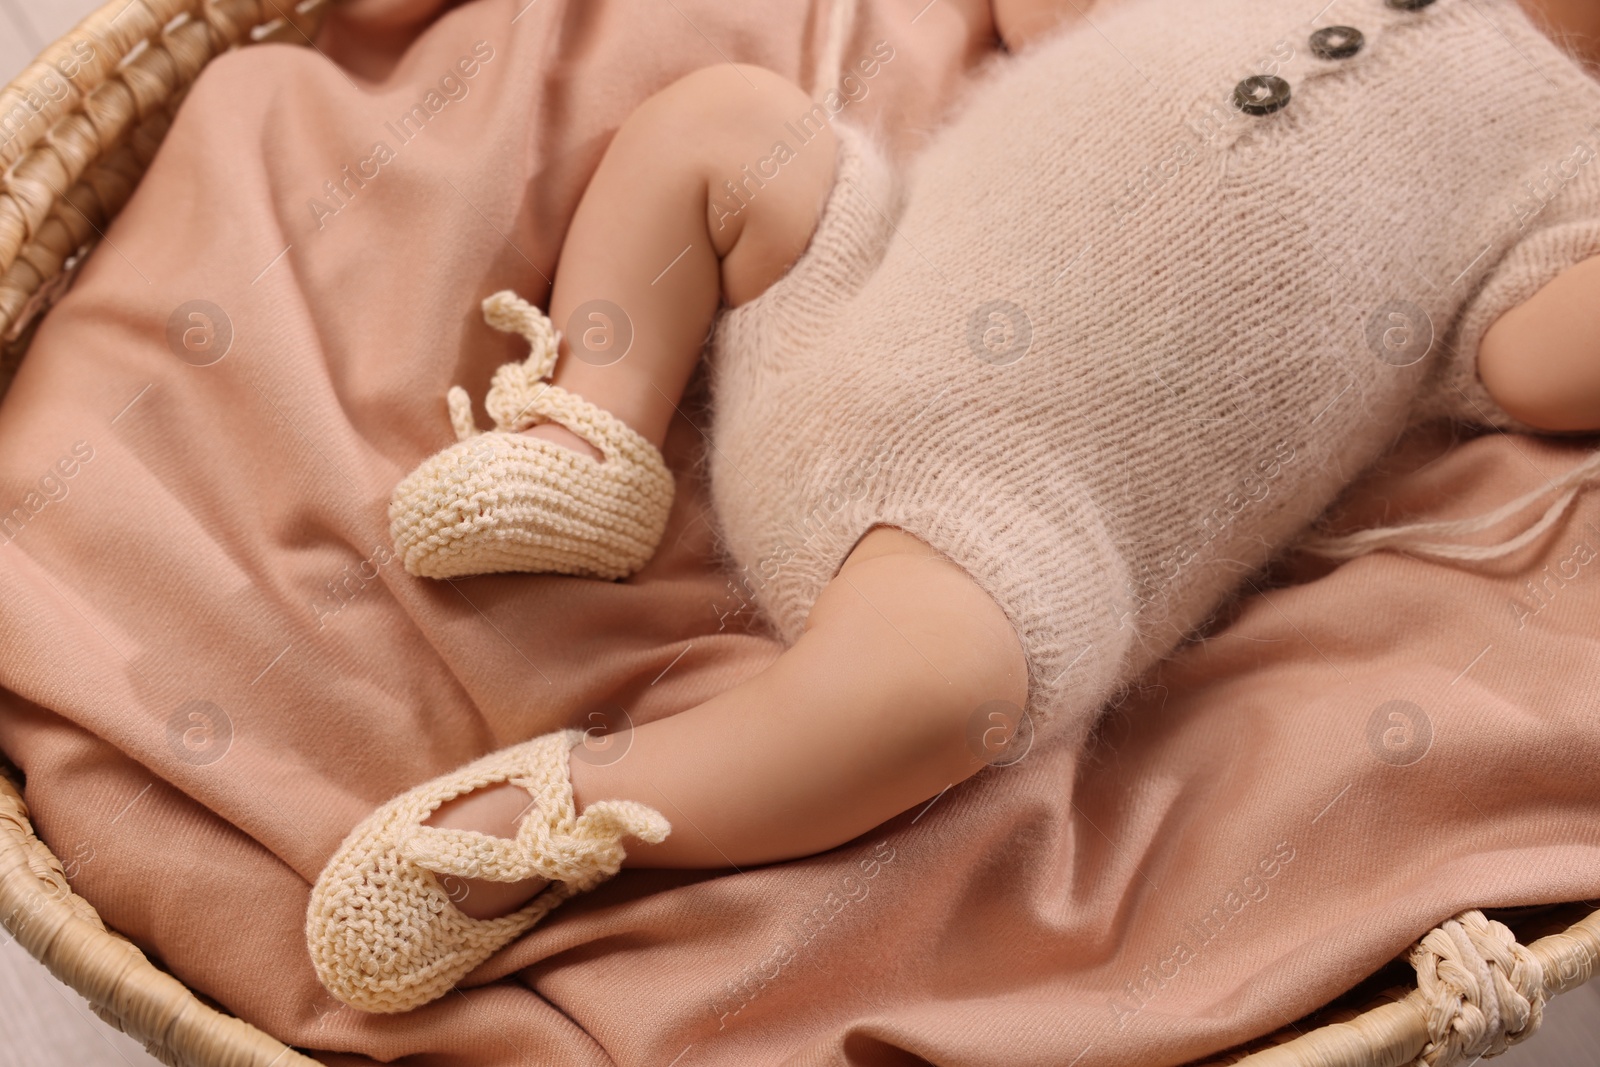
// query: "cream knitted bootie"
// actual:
[[383, 933], [504, 501]]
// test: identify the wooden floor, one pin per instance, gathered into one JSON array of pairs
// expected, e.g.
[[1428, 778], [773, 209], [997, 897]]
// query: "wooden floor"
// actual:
[[45, 1024]]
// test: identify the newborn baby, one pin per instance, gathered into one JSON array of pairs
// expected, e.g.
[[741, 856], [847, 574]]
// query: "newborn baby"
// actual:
[[1013, 424]]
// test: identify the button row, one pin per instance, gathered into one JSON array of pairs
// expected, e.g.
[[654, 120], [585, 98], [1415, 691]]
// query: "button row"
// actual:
[[1263, 94]]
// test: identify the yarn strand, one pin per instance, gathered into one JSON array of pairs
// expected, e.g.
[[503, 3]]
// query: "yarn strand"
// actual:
[[461, 419], [1411, 537], [509, 313]]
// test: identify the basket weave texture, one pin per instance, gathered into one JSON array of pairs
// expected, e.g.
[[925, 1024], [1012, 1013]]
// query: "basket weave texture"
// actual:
[[62, 931], [77, 130], [79, 126]]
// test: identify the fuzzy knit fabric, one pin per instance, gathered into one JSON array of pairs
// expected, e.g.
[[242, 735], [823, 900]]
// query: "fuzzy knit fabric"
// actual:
[[504, 501], [383, 931], [1130, 321]]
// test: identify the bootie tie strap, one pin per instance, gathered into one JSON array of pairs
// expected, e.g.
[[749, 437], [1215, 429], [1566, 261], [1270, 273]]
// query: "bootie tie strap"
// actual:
[[553, 842], [517, 389], [584, 855], [515, 385], [520, 394]]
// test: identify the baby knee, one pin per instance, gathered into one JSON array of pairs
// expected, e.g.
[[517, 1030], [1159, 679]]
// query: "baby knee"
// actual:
[[910, 608], [729, 103]]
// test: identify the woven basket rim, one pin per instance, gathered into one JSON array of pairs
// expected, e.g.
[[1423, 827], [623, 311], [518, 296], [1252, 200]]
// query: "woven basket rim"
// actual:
[[79, 124], [63, 931]]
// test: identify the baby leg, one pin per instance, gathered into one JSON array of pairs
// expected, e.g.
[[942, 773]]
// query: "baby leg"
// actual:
[[657, 239], [869, 713], [693, 198]]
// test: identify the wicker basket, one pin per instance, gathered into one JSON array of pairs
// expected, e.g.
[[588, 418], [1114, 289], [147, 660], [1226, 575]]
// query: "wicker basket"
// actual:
[[68, 162]]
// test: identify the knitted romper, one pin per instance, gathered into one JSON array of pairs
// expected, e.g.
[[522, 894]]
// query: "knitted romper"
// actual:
[[1118, 334]]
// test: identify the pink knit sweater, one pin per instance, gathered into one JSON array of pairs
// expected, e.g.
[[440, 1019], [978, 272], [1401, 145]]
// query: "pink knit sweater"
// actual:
[[1111, 341]]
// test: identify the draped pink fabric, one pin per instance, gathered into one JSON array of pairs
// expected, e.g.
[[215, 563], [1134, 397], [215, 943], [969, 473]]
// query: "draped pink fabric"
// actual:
[[213, 666]]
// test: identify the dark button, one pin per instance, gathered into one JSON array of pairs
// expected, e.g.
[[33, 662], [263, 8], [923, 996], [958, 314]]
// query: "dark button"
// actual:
[[1410, 5], [1336, 42], [1261, 95]]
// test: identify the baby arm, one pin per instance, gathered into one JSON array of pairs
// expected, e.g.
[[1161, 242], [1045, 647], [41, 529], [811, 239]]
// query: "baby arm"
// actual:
[[1540, 361]]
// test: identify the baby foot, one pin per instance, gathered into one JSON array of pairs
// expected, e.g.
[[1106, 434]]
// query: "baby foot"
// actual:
[[497, 810], [559, 486], [558, 434], [383, 929]]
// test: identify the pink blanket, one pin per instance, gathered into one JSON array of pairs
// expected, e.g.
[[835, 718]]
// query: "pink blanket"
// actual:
[[214, 666]]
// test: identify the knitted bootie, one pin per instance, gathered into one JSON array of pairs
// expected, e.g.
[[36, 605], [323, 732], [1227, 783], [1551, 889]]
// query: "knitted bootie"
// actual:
[[504, 501], [383, 933]]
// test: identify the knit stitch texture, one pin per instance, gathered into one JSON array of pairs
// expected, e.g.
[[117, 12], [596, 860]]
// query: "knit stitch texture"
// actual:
[[1109, 342], [383, 932], [504, 501]]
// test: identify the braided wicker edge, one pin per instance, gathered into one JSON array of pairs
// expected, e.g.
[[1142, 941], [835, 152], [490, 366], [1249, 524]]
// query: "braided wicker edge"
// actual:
[[79, 126], [62, 931], [1391, 1029]]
